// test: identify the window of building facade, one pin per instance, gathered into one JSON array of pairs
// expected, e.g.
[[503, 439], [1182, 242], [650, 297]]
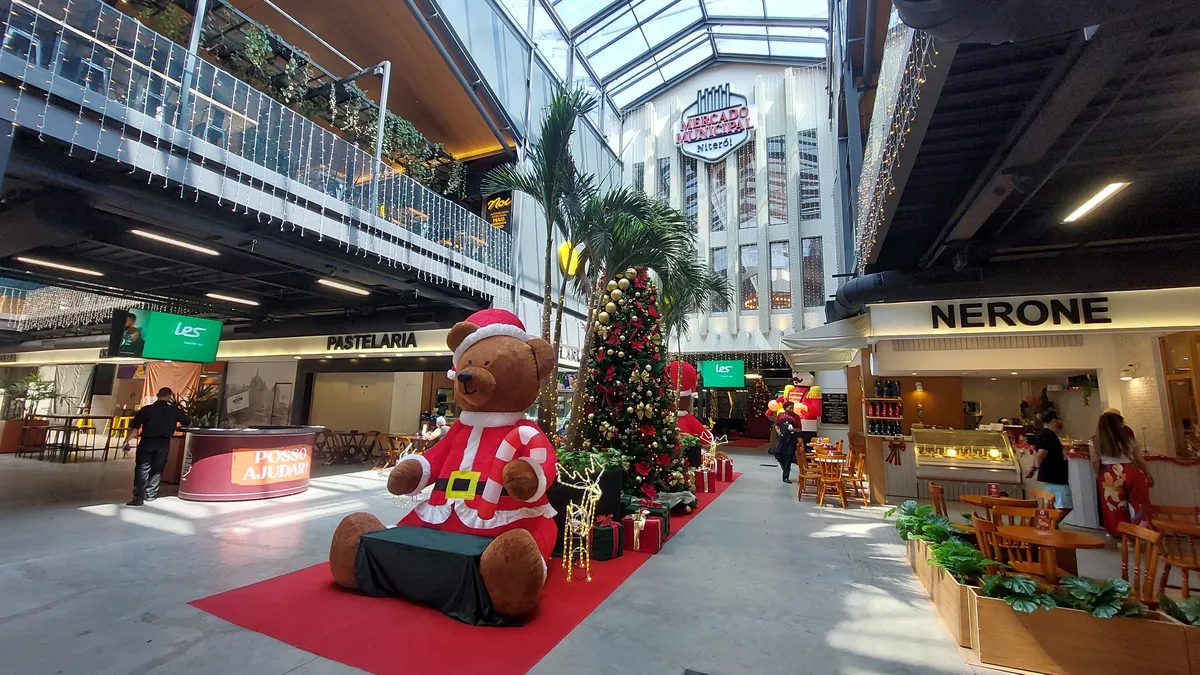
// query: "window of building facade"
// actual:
[[777, 197], [781, 276], [747, 189], [691, 195], [663, 189], [717, 197], [639, 176], [812, 268], [748, 269], [719, 261], [1179, 352], [810, 181]]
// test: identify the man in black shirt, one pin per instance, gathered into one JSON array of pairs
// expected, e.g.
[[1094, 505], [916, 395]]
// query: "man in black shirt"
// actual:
[[1050, 463], [157, 424]]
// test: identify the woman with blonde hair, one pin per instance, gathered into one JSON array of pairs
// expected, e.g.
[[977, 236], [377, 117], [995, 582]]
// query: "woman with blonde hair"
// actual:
[[1124, 479]]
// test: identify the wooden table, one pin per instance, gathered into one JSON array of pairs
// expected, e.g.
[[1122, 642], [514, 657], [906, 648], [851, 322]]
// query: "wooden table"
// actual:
[[1049, 541]]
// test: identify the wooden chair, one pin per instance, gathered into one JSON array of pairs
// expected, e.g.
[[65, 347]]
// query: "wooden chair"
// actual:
[[1145, 545], [831, 484], [986, 537], [1021, 556], [1178, 547], [1184, 514], [1043, 495], [938, 496], [809, 474], [856, 479], [990, 503]]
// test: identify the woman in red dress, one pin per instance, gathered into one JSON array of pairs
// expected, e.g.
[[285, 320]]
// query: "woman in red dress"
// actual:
[[1124, 480]]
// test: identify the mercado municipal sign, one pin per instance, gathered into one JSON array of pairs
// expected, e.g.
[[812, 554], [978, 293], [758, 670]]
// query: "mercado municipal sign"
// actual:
[[718, 123]]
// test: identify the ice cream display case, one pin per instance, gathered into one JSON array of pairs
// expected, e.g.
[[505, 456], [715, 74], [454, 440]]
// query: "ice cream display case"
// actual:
[[968, 456]]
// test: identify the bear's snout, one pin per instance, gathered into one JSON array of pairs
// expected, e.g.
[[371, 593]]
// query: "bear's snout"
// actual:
[[475, 384]]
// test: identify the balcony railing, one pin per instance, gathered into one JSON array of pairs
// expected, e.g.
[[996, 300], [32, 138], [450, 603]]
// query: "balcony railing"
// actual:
[[117, 60]]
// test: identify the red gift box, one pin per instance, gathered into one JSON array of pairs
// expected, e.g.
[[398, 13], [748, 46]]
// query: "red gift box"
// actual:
[[725, 470], [649, 540], [706, 481]]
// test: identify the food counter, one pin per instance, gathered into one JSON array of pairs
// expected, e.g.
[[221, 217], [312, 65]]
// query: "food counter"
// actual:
[[230, 465], [979, 457]]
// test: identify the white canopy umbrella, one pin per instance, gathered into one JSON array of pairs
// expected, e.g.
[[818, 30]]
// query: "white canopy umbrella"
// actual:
[[829, 347]]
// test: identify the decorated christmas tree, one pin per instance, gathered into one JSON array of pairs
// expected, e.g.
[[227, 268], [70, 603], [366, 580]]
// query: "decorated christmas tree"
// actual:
[[627, 403], [756, 406]]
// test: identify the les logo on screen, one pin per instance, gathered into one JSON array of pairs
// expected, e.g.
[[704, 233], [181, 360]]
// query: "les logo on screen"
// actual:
[[264, 466]]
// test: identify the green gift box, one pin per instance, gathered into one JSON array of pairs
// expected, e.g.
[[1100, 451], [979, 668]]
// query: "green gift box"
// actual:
[[606, 542], [655, 508]]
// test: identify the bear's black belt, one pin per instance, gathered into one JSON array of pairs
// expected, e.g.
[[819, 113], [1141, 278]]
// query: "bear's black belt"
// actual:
[[443, 483]]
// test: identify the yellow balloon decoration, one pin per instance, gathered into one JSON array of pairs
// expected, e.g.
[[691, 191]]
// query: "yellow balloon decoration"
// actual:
[[568, 258], [773, 406]]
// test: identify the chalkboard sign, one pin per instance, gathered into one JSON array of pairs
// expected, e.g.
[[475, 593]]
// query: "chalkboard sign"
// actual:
[[835, 409]]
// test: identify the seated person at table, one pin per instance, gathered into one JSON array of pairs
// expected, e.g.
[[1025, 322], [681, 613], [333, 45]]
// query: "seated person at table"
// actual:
[[438, 431]]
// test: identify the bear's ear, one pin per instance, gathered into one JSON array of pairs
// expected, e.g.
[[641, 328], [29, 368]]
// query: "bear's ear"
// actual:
[[543, 356], [459, 333]]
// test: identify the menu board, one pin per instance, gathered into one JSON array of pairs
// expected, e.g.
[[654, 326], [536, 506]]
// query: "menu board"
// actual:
[[499, 210], [835, 408]]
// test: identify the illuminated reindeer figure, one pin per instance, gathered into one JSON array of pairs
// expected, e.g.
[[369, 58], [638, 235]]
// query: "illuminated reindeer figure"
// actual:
[[577, 539]]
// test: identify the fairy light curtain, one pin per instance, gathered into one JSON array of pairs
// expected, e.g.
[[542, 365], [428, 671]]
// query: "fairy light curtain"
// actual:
[[55, 307]]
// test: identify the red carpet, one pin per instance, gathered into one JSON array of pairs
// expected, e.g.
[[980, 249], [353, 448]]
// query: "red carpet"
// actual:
[[305, 609], [747, 442]]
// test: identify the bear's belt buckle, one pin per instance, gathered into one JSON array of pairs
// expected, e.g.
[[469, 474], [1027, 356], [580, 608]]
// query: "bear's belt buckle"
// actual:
[[461, 484]]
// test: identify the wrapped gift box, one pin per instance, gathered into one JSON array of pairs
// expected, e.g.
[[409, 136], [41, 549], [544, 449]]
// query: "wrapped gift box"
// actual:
[[725, 470], [706, 481], [607, 542], [656, 508], [649, 540]]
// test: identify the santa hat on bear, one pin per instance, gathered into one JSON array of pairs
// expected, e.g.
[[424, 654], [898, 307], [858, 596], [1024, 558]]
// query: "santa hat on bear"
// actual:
[[681, 374], [491, 322]]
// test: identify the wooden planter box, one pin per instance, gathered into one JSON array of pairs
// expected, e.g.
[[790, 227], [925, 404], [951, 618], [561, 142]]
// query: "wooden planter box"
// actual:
[[917, 552], [1192, 636], [953, 602], [10, 435], [1070, 642]]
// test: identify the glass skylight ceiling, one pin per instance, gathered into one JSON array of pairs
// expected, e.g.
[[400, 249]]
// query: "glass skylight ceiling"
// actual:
[[637, 47]]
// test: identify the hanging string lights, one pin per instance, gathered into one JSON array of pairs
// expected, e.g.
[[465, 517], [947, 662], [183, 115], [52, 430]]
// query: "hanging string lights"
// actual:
[[55, 307], [902, 72]]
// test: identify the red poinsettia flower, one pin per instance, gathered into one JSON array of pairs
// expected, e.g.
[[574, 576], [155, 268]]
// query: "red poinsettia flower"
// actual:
[[653, 312], [640, 281], [643, 468], [638, 344], [649, 491], [662, 459], [608, 374], [614, 338], [647, 429]]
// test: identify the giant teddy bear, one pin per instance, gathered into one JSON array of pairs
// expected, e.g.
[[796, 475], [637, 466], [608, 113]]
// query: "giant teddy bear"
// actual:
[[682, 377], [489, 472]]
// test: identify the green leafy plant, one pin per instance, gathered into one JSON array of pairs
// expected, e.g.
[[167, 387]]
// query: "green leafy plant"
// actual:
[[1102, 601], [1019, 591], [583, 460], [23, 395], [963, 561], [1187, 611], [919, 521], [202, 405]]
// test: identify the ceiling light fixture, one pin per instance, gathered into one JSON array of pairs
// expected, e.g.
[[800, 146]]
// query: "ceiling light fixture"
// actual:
[[230, 298], [362, 356], [753, 376], [1097, 199], [59, 266], [297, 357], [175, 242], [1013, 373], [343, 287]]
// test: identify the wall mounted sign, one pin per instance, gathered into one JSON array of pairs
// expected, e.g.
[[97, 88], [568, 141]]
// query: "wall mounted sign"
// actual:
[[835, 408], [499, 210], [718, 123], [360, 341], [1060, 313], [723, 373]]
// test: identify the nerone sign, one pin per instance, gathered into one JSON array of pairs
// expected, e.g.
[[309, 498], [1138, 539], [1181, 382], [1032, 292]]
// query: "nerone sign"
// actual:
[[718, 123]]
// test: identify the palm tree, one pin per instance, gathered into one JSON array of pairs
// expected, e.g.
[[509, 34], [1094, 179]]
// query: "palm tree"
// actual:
[[546, 177], [624, 229], [691, 289]]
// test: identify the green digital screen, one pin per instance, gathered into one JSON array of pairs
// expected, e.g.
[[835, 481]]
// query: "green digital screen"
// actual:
[[723, 373], [143, 333]]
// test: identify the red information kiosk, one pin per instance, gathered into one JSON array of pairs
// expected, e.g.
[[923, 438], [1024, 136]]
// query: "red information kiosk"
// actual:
[[233, 465]]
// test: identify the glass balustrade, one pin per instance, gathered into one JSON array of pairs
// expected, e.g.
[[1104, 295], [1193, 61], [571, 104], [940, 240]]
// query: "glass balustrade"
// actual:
[[88, 45]]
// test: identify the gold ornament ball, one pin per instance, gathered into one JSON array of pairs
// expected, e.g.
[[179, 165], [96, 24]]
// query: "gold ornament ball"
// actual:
[[688, 508], [598, 324], [603, 317], [623, 284], [629, 410], [612, 286], [654, 444], [610, 307], [631, 272], [610, 352], [621, 303], [616, 294], [633, 317], [591, 416], [621, 355]]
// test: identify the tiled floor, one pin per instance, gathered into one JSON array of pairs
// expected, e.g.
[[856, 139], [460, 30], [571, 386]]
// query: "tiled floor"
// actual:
[[755, 584]]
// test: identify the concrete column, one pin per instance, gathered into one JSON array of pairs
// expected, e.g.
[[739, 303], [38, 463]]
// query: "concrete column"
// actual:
[[791, 143], [762, 210], [733, 241]]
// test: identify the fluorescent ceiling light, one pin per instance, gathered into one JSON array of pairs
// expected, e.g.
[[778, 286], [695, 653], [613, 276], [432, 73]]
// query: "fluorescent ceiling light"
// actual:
[[362, 356], [343, 287], [297, 357], [59, 266], [1097, 199], [230, 298], [175, 242], [753, 376]]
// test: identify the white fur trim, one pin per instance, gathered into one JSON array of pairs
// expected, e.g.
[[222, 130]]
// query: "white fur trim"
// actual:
[[468, 460], [450, 374], [436, 515], [490, 419], [687, 392], [425, 472], [541, 476], [487, 332], [681, 413]]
